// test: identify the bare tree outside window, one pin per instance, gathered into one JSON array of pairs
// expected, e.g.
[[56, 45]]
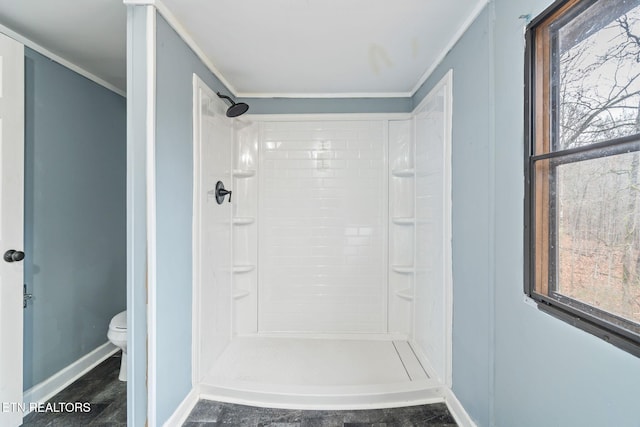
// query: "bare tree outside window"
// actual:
[[596, 201]]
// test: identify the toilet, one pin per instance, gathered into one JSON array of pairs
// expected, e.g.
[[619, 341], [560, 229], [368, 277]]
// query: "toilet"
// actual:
[[118, 336]]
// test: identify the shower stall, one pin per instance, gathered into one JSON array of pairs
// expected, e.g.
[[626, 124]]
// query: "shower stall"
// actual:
[[323, 280]]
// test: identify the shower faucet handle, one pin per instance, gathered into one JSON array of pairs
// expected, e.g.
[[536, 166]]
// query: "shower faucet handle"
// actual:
[[221, 192]]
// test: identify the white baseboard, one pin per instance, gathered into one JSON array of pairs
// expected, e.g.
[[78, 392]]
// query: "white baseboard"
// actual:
[[48, 388], [183, 410], [457, 410]]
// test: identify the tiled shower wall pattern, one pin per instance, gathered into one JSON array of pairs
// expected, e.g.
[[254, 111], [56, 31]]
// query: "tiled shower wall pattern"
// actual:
[[323, 227]]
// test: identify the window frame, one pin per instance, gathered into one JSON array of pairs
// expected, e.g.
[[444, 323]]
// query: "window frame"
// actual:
[[539, 121]]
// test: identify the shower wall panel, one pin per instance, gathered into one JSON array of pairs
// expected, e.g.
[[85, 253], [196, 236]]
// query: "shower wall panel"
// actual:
[[433, 238], [401, 175], [323, 227], [213, 135], [245, 228]]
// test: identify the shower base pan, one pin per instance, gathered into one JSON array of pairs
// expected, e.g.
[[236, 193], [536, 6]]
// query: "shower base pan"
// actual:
[[309, 373]]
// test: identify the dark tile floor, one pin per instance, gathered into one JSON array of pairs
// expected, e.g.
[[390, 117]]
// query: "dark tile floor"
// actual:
[[108, 398], [209, 413], [101, 388]]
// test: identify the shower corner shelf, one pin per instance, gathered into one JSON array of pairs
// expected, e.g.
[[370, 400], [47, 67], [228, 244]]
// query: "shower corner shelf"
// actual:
[[243, 220], [403, 269], [243, 268], [243, 173], [403, 173], [405, 294], [241, 294], [404, 220]]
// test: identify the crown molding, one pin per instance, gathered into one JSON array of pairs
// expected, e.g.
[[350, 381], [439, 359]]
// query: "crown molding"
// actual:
[[60, 60], [185, 36], [188, 39], [480, 5], [325, 95]]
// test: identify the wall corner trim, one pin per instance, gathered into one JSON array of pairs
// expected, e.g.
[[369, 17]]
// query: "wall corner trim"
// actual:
[[480, 5], [183, 410], [151, 215], [457, 410], [185, 36]]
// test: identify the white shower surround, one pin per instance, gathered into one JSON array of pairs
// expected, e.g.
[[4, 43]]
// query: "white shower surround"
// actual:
[[322, 226], [287, 167]]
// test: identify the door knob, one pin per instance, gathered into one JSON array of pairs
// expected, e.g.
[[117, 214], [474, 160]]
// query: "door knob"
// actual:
[[13, 255]]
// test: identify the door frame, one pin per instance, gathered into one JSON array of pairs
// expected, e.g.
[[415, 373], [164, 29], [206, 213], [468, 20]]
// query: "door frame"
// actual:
[[11, 309]]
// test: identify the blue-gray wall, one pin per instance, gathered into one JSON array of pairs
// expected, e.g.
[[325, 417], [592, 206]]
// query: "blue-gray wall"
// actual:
[[546, 371], [74, 215], [175, 65], [513, 365], [327, 105]]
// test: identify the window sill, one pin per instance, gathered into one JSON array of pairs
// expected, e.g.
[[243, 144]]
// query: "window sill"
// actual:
[[586, 325]]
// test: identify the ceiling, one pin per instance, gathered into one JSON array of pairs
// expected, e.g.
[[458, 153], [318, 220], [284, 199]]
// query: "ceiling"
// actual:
[[265, 48], [93, 37]]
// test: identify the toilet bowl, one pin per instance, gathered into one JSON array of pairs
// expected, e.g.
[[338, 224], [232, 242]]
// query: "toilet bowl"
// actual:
[[117, 334]]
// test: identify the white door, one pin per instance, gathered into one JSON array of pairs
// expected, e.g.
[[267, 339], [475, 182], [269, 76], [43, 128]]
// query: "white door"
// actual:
[[11, 222]]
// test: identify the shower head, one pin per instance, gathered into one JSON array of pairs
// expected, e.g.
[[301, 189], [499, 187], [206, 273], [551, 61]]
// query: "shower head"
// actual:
[[236, 109]]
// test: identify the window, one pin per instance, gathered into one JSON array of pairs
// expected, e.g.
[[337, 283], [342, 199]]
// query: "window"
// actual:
[[582, 166]]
